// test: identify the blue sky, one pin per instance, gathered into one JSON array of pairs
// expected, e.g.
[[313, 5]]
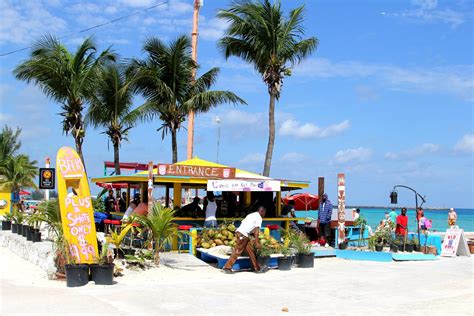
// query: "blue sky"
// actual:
[[387, 98]]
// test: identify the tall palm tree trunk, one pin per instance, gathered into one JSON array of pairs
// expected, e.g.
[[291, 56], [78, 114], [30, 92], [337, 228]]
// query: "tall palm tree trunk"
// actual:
[[79, 140], [116, 158], [174, 145], [271, 135]]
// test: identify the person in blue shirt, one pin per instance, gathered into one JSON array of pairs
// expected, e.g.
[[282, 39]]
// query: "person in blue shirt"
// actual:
[[324, 217]]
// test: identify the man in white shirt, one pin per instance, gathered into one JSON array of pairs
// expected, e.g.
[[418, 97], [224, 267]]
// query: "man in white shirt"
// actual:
[[249, 226]]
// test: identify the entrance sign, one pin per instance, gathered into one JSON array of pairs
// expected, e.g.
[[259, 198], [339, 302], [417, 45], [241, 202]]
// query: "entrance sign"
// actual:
[[46, 178], [455, 243], [196, 171], [341, 207], [243, 185], [76, 206]]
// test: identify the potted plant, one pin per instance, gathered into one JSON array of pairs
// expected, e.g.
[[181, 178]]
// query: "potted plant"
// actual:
[[416, 244], [394, 243], [18, 220], [263, 254], [161, 228], [284, 263], [117, 239], [303, 250], [409, 246], [7, 221], [343, 245], [77, 274], [102, 272], [361, 223]]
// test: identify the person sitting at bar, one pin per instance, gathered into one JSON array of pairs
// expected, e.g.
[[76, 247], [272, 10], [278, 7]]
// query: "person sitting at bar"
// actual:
[[192, 209], [131, 208], [250, 225], [142, 208]]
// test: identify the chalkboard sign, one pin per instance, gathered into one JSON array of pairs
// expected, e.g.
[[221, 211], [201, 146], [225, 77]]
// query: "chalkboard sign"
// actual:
[[46, 178]]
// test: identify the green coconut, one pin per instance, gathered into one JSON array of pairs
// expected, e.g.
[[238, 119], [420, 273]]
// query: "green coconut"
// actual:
[[231, 227], [211, 233], [218, 242], [205, 245]]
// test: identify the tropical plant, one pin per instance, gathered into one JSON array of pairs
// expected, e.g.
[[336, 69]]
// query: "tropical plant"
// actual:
[[285, 250], [300, 242], [165, 79], [67, 78], [161, 227], [263, 36], [49, 213], [360, 222], [106, 254], [9, 143], [110, 108], [17, 172], [117, 238]]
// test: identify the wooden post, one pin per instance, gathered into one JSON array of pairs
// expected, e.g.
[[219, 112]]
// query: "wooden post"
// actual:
[[127, 202], [167, 197], [150, 185], [278, 203], [320, 189], [177, 195]]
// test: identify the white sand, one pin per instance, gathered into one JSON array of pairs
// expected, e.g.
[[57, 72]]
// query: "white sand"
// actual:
[[184, 285]]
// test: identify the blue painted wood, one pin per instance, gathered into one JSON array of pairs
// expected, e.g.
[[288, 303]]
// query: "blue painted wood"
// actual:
[[413, 257], [324, 253], [364, 255]]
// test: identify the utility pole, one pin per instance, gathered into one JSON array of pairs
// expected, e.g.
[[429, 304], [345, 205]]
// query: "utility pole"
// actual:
[[194, 38]]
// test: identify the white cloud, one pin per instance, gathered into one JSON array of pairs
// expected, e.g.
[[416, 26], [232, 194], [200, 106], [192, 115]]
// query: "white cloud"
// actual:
[[24, 21], [212, 29], [353, 154], [427, 11], [293, 157], [465, 144], [424, 149], [292, 127], [365, 93], [252, 159], [455, 80]]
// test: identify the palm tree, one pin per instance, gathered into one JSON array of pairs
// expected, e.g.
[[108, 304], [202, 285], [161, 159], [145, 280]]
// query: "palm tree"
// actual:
[[260, 34], [160, 223], [165, 79], [18, 172], [65, 77], [110, 108], [9, 144]]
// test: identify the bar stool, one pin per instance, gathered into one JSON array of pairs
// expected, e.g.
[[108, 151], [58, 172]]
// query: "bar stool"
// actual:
[[184, 239]]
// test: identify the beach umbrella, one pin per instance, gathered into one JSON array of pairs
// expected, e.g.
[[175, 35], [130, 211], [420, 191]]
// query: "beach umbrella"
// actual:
[[303, 201]]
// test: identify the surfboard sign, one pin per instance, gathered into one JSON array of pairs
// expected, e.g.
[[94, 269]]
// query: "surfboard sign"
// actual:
[[75, 203]]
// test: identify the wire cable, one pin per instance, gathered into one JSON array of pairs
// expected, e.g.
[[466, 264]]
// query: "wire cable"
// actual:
[[95, 26]]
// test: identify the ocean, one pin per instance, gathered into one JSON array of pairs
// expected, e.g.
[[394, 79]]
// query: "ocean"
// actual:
[[439, 218]]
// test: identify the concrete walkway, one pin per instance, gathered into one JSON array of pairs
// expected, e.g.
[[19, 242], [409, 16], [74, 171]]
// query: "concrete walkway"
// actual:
[[184, 285]]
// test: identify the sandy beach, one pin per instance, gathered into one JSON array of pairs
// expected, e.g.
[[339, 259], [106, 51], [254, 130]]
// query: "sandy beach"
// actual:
[[185, 285]]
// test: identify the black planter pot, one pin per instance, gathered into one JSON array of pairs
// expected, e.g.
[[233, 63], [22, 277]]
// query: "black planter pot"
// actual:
[[77, 274], [14, 228], [417, 248], [378, 248], [30, 234], [343, 245], [284, 263], [102, 274], [263, 261], [401, 248], [137, 243], [24, 230], [36, 236], [393, 248], [129, 251], [305, 260], [6, 225], [409, 247], [19, 229]]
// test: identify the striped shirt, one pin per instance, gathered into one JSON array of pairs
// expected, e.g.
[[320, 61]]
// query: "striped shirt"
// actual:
[[325, 212]]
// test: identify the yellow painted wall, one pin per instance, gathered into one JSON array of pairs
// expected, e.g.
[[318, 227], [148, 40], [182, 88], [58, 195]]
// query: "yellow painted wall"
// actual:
[[7, 197]]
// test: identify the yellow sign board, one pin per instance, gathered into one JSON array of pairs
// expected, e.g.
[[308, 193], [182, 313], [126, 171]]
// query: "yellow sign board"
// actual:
[[75, 203]]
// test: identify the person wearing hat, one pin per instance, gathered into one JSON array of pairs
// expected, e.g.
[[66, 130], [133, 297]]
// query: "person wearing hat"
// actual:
[[452, 217], [324, 217]]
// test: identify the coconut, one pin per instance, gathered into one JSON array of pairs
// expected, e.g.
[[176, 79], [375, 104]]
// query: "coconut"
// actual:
[[218, 242], [211, 233], [219, 236], [231, 227], [230, 235], [226, 242], [213, 245], [205, 245]]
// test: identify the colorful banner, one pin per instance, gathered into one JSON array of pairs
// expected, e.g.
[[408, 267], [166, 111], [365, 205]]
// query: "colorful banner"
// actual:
[[243, 185], [196, 171], [341, 207], [75, 203]]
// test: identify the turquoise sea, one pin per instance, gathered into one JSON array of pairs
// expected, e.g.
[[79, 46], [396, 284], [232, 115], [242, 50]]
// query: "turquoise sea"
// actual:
[[439, 218]]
